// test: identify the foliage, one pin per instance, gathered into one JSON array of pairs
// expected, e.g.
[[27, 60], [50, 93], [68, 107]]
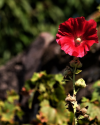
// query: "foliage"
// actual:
[[9, 109], [94, 104], [52, 106], [51, 98], [22, 20], [15, 26]]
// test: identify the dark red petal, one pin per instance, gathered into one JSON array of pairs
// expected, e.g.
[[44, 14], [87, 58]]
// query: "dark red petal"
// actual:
[[89, 28], [78, 26], [66, 26], [73, 27], [93, 37], [90, 42], [62, 34]]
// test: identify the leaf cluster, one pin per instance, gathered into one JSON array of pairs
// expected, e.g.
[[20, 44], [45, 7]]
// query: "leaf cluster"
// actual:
[[10, 108], [93, 105], [51, 97]]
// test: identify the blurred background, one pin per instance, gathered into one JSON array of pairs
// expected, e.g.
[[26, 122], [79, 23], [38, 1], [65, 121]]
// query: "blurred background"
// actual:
[[21, 21], [27, 45]]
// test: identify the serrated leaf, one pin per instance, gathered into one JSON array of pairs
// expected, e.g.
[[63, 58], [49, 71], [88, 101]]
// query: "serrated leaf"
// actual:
[[93, 110], [44, 103], [85, 99], [96, 84], [1, 103], [12, 98], [78, 71], [65, 80], [60, 93], [81, 117], [7, 117], [20, 114], [57, 115], [37, 76], [51, 83], [42, 88], [59, 78], [27, 85], [96, 92]]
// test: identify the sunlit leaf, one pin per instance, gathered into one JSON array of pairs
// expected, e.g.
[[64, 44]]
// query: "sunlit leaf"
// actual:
[[78, 71], [59, 78]]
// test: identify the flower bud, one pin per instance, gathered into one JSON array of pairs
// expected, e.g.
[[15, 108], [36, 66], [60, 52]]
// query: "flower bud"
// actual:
[[80, 83], [78, 108], [84, 110], [67, 72], [70, 98], [75, 63], [86, 116]]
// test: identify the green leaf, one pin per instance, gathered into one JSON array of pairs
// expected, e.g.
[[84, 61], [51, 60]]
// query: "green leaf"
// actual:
[[37, 76], [27, 85], [1, 103], [60, 93], [20, 114], [81, 117], [57, 115], [7, 117], [51, 83], [42, 88], [8, 106], [12, 98], [44, 103], [59, 78], [96, 92], [93, 110], [78, 71], [85, 99], [65, 80], [95, 96]]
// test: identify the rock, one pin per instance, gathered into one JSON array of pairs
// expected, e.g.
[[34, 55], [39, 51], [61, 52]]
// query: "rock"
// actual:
[[15, 72]]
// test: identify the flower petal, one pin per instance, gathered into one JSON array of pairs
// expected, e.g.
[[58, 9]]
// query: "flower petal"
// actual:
[[78, 26], [89, 28], [67, 45]]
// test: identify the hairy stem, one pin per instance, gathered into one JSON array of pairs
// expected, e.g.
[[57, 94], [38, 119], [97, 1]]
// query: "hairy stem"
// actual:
[[74, 94]]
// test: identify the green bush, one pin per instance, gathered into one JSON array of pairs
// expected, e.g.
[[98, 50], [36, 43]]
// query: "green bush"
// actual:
[[51, 96], [9, 108]]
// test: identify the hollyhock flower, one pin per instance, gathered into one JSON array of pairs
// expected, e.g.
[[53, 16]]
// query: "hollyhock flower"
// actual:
[[76, 36]]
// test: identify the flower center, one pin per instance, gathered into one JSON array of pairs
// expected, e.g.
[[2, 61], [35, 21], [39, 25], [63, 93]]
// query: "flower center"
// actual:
[[78, 40]]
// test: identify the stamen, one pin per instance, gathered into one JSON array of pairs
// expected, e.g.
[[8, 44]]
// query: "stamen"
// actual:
[[78, 39]]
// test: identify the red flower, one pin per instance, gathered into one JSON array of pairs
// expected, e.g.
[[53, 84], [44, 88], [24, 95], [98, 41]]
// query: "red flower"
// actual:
[[76, 36]]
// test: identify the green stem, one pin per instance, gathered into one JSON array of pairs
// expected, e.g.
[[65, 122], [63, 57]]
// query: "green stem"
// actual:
[[74, 94]]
